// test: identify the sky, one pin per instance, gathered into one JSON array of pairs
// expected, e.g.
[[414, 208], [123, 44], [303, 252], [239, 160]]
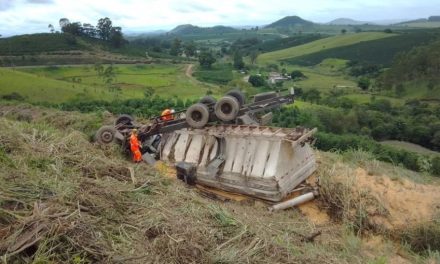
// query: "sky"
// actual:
[[32, 16]]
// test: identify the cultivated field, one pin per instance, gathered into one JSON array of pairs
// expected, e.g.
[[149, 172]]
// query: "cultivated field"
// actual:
[[82, 82], [320, 45]]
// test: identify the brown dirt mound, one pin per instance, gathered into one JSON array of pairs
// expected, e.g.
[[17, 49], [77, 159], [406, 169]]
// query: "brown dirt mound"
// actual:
[[406, 202]]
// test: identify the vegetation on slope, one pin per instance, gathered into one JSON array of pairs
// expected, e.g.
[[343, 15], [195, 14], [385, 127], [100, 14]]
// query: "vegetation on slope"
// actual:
[[36, 43], [65, 199], [320, 45], [379, 51]]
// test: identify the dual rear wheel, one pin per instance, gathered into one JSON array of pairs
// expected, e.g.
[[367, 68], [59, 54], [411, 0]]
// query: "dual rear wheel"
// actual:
[[226, 109]]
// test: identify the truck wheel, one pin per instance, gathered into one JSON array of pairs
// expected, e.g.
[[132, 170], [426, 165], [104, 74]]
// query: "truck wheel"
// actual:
[[197, 115], [208, 100], [124, 120], [226, 109], [264, 96], [237, 94], [105, 134]]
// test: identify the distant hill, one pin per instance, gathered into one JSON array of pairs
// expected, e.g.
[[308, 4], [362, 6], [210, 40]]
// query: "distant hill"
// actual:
[[189, 29], [434, 18], [420, 20], [290, 21], [346, 21]]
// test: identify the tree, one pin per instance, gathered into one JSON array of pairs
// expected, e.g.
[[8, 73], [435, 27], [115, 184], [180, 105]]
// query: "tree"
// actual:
[[256, 80], [400, 90], [238, 61], [297, 75], [388, 31], [89, 30], [190, 49], [343, 31], [116, 38], [63, 22], [73, 28], [364, 83], [104, 28], [176, 47], [312, 95], [253, 56], [51, 28], [206, 59]]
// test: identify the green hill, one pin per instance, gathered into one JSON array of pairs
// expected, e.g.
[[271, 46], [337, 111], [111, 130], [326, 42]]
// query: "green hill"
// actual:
[[378, 51], [321, 45], [36, 43], [290, 21], [189, 29]]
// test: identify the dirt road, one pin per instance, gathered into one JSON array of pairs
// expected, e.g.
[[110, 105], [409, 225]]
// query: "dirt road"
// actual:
[[189, 70]]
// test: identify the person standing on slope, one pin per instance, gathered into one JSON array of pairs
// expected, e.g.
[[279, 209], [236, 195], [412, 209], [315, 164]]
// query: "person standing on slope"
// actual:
[[135, 146]]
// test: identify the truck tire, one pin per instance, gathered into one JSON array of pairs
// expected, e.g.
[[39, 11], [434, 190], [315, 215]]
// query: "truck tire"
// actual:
[[124, 120], [208, 100], [197, 115], [226, 109], [237, 94], [105, 135], [264, 96]]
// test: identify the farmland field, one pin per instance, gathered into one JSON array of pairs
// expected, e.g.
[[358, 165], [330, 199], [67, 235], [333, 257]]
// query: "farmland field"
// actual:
[[83, 82], [410, 147], [320, 45]]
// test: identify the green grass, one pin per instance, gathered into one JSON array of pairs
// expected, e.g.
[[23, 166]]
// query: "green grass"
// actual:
[[373, 51], [409, 147], [43, 42], [320, 45], [42, 89], [218, 74], [56, 84]]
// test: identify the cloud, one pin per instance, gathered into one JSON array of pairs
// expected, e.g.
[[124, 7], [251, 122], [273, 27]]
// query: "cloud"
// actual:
[[40, 1], [166, 14], [5, 5]]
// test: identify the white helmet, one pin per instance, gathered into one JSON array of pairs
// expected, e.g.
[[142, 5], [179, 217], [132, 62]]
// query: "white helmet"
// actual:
[[172, 111]]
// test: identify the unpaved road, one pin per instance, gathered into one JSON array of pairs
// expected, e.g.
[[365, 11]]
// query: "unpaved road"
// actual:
[[189, 70]]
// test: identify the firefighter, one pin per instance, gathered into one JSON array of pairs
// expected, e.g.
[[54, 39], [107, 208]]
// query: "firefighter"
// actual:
[[135, 146], [167, 114]]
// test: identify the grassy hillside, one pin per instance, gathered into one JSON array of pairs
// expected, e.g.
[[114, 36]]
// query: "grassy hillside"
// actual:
[[42, 89], [36, 43], [378, 51], [67, 200], [320, 45], [59, 84]]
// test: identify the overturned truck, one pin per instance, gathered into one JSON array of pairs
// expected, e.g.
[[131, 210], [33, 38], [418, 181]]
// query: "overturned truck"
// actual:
[[226, 145]]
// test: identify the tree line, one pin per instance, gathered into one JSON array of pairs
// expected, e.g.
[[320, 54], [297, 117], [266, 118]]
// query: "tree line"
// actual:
[[104, 30]]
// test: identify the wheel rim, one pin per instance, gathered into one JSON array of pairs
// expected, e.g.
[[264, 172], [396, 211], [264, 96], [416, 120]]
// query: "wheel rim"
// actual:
[[226, 108], [196, 116], [107, 136]]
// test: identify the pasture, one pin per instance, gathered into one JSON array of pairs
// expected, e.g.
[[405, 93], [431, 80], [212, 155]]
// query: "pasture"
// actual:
[[83, 82], [320, 45]]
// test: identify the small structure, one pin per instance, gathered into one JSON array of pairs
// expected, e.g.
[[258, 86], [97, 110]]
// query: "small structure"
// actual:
[[275, 77]]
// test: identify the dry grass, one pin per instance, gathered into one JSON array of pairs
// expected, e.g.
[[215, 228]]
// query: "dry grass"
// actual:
[[66, 200]]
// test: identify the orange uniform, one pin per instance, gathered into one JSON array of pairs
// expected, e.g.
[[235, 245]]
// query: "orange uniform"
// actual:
[[134, 147], [167, 115]]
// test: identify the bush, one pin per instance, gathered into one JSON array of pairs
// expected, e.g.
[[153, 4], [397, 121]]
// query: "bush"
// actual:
[[435, 166], [257, 80], [13, 96]]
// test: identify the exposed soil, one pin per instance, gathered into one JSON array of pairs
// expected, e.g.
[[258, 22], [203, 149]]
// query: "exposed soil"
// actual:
[[406, 202]]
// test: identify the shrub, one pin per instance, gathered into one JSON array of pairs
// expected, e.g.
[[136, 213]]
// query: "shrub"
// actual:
[[13, 96], [257, 80]]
